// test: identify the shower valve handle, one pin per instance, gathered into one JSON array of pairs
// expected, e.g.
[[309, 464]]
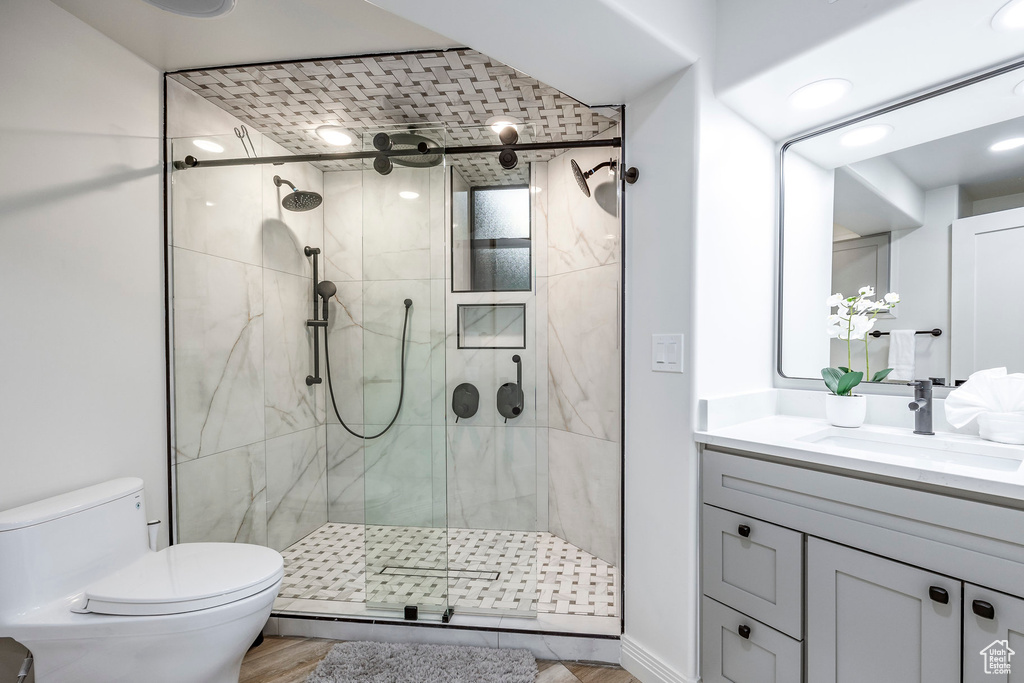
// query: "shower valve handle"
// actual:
[[510, 396]]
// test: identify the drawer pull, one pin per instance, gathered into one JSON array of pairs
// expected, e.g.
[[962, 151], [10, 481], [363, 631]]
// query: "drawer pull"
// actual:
[[983, 609], [939, 595], [744, 631], [744, 531]]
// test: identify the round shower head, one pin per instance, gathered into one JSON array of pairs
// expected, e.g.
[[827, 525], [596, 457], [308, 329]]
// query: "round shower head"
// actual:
[[414, 141], [581, 180], [298, 200]]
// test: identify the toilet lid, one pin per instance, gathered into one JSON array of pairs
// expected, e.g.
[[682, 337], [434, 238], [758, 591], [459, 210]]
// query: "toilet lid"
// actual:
[[186, 578]]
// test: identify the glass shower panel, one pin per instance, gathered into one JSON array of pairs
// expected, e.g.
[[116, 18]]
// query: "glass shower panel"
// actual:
[[216, 281], [494, 452], [406, 534]]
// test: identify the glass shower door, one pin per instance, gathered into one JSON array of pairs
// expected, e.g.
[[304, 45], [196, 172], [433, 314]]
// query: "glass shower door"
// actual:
[[496, 362], [406, 534]]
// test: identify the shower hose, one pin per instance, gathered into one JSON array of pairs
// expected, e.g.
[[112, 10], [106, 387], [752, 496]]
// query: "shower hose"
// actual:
[[401, 392]]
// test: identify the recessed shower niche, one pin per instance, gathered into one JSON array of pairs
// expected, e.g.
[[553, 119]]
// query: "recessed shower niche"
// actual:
[[318, 344]]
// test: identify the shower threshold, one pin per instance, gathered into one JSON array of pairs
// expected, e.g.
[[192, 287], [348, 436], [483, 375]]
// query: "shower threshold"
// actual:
[[532, 581]]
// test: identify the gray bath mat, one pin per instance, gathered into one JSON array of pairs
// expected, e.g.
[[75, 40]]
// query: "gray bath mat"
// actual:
[[410, 663]]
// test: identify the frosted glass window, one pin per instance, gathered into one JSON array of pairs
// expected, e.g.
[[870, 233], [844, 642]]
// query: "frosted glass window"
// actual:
[[498, 257], [501, 213], [501, 269]]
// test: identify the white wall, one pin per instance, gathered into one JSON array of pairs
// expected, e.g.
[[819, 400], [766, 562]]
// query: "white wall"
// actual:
[[735, 297], [808, 271], [81, 264]]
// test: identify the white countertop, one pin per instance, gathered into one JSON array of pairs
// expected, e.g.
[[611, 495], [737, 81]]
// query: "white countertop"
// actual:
[[956, 461]]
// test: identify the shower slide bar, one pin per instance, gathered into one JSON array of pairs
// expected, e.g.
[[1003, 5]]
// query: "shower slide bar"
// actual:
[[193, 162]]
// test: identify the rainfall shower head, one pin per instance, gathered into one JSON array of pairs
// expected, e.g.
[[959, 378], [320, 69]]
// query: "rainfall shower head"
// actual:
[[630, 175], [298, 200], [404, 142], [581, 179]]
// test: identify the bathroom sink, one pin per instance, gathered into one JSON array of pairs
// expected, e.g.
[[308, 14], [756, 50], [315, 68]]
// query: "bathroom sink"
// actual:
[[955, 450]]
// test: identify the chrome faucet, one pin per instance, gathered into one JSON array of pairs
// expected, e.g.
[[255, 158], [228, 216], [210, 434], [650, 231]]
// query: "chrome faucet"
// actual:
[[922, 406]]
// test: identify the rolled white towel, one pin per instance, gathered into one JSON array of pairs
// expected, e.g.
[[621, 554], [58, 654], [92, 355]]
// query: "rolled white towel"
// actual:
[[902, 345]]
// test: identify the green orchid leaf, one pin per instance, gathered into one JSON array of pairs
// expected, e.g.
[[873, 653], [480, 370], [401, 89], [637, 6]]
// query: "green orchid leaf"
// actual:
[[844, 369], [848, 382], [831, 377], [881, 375]]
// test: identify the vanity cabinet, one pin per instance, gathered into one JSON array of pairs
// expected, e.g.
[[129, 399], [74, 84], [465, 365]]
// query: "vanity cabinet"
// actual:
[[872, 619], [812, 575]]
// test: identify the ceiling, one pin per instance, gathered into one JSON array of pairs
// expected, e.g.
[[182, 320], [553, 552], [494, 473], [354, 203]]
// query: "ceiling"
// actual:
[[447, 96], [255, 31], [908, 49]]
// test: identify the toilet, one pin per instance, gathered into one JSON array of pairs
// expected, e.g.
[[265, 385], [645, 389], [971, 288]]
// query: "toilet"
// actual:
[[81, 588]]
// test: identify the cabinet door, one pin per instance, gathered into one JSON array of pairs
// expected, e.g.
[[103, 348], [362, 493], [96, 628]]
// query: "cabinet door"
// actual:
[[873, 619], [993, 636]]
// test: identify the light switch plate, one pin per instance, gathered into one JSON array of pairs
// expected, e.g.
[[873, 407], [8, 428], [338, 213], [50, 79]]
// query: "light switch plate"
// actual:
[[667, 352]]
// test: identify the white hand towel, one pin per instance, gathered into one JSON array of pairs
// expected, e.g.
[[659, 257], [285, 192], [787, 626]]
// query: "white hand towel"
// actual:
[[986, 391], [902, 344]]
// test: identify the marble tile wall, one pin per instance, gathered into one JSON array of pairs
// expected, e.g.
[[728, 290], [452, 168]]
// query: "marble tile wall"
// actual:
[[250, 444], [382, 249], [583, 345]]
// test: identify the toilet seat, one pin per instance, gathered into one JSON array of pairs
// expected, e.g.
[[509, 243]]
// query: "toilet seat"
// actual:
[[184, 578]]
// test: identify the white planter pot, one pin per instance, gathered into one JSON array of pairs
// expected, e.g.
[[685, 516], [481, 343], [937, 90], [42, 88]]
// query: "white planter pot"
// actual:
[[846, 411]]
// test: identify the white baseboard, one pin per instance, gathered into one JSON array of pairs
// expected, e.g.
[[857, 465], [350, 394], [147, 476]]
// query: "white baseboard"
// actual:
[[647, 667]]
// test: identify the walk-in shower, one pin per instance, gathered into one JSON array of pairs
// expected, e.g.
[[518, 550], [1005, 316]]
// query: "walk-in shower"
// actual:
[[400, 366]]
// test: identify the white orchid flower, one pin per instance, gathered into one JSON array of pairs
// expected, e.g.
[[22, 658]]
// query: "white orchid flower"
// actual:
[[834, 300], [880, 306], [892, 298], [863, 305], [834, 331], [867, 291], [861, 325]]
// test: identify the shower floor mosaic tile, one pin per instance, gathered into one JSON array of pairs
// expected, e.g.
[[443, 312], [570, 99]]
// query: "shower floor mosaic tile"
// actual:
[[510, 571]]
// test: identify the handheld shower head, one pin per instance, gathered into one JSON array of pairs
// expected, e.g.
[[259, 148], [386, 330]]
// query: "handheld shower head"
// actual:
[[325, 289], [298, 200]]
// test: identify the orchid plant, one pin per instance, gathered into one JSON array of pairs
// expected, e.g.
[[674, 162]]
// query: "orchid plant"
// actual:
[[853, 319]]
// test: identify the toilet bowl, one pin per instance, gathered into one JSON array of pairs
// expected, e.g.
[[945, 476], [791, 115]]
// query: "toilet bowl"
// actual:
[[84, 593]]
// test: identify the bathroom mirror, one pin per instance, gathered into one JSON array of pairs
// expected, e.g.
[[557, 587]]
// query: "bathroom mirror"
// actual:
[[924, 198]]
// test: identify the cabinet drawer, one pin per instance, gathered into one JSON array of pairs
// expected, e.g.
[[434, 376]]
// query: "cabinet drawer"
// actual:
[[754, 567], [993, 638], [738, 649]]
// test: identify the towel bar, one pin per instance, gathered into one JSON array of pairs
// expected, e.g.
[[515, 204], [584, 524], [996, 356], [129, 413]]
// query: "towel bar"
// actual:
[[935, 333]]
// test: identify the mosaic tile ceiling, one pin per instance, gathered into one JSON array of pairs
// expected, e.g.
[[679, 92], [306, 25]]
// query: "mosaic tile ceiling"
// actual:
[[458, 90]]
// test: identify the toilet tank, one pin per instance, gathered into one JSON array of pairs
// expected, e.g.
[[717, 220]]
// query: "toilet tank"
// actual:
[[53, 548]]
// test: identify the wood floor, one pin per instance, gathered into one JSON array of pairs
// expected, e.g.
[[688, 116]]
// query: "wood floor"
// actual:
[[290, 660]]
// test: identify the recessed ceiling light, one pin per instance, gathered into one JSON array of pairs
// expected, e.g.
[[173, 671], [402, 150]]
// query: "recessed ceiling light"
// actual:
[[1019, 90], [819, 93], [1010, 17], [408, 194], [199, 9], [865, 135], [499, 123], [210, 204], [334, 135], [1007, 145], [208, 146]]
